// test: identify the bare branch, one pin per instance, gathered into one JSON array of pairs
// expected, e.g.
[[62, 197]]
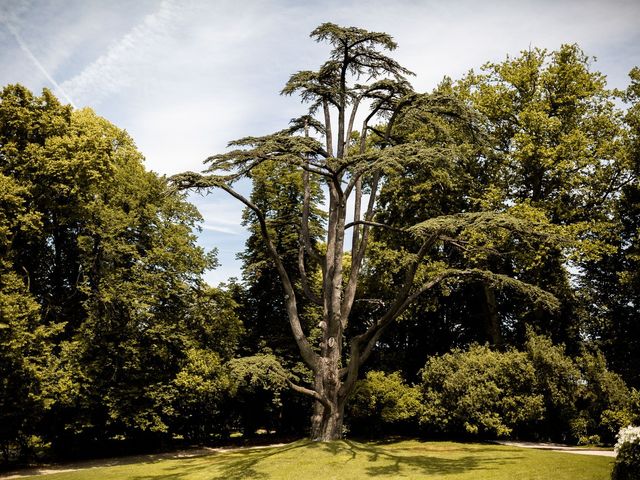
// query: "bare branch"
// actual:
[[374, 224]]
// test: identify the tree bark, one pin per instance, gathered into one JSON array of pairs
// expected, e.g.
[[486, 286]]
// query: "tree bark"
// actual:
[[327, 420], [491, 318]]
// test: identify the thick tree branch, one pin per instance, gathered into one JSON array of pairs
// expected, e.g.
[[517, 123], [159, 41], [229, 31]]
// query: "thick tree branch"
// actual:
[[395, 308], [307, 353], [327, 127], [306, 210], [376, 330], [385, 135], [311, 393], [362, 247], [352, 118], [323, 171], [358, 253], [359, 244], [304, 279]]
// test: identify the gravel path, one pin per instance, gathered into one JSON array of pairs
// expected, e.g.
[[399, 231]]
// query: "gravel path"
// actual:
[[557, 447]]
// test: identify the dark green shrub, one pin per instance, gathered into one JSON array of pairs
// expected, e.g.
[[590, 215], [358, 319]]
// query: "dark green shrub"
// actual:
[[480, 393], [540, 393], [604, 398], [557, 379], [204, 385], [584, 402], [257, 383], [383, 403]]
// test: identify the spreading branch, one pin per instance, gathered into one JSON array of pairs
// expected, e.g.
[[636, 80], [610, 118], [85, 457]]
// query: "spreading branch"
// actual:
[[191, 180]]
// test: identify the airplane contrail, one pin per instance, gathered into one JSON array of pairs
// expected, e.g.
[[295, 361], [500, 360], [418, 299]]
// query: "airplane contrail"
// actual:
[[36, 62]]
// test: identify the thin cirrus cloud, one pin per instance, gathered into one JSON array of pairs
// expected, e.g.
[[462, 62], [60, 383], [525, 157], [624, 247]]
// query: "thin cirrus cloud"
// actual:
[[220, 212], [230, 230], [25, 48], [8, 20], [129, 59], [221, 218]]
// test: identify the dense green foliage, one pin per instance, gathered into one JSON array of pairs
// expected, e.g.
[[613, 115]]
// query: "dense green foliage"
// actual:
[[107, 328], [556, 149], [479, 392], [383, 403], [259, 382], [539, 393], [612, 283]]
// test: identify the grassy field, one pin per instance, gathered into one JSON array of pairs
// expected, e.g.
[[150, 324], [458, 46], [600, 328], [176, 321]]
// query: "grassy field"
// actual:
[[352, 460]]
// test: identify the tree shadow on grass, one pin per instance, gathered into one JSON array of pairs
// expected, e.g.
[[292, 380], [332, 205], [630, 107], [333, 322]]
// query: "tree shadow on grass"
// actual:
[[107, 462], [389, 462], [377, 460], [244, 467], [229, 465]]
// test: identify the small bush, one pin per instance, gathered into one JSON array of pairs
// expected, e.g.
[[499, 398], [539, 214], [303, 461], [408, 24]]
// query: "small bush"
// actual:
[[627, 466], [557, 379], [258, 383], [383, 403]]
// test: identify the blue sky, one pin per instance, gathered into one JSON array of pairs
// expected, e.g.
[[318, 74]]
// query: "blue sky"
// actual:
[[184, 77]]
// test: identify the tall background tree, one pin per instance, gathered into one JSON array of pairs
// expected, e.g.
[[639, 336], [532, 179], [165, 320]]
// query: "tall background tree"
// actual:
[[556, 148], [612, 283], [105, 315], [557, 137]]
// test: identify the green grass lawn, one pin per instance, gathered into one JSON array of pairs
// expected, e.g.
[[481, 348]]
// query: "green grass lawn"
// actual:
[[352, 460]]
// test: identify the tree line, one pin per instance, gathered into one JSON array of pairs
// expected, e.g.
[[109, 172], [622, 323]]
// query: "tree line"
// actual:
[[493, 231]]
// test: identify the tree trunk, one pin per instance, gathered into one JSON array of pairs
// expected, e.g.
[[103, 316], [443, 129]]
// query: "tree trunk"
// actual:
[[328, 425], [492, 328], [327, 418]]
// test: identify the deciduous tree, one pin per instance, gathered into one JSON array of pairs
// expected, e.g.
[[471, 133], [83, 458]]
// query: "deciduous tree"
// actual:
[[104, 315]]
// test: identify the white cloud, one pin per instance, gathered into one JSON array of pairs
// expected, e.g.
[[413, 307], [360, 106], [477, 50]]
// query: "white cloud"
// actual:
[[218, 229]]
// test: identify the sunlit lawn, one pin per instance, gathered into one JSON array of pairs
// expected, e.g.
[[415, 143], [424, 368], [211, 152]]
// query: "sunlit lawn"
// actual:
[[353, 460]]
